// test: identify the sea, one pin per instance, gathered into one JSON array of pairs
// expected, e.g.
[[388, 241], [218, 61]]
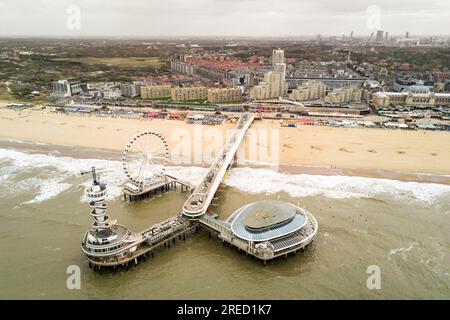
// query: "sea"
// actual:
[[401, 229]]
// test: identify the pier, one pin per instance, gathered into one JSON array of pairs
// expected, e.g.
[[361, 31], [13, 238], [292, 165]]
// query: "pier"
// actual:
[[265, 229], [199, 201], [279, 244], [164, 184], [145, 244]]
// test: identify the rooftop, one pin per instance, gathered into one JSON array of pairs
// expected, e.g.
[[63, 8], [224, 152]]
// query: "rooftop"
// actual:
[[265, 220], [264, 214]]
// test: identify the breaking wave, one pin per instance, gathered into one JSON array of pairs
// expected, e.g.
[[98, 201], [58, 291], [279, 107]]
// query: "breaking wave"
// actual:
[[303, 185], [47, 176]]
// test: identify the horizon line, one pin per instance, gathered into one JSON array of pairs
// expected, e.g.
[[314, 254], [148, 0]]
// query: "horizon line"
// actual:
[[221, 37]]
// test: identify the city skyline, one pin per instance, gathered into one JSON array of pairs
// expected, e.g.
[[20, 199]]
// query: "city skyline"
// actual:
[[221, 18]]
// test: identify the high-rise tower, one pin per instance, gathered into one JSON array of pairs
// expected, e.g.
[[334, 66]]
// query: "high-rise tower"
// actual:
[[379, 36], [277, 56], [278, 63]]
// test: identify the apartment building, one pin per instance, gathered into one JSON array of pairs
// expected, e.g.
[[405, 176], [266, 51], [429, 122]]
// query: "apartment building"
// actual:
[[344, 95], [189, 93], [66, 88], [128, 90], [224, 95], [182, 67], [273, 86], [152, 92], [309, 90]]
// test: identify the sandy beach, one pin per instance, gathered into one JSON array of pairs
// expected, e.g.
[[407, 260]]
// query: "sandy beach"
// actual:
[[326, 148]]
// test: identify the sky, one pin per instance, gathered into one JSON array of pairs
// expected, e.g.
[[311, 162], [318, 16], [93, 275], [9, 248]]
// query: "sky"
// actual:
[[244, 18]]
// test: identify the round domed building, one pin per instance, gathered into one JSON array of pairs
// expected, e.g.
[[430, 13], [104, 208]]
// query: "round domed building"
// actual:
[[269, 229]]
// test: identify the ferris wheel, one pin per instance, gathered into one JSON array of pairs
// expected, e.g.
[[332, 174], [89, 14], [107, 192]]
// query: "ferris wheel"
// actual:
[[145, 158]]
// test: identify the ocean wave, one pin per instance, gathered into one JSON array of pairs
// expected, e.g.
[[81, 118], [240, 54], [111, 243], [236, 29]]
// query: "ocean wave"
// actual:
[[66, 164], [432, 255], [47, 189], [402, 251], [194, 175], [61, 171], [303, 185], [59, 174]]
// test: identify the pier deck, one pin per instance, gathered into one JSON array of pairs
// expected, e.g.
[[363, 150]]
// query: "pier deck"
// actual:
[[167, 183], [276, 247], [147, 241], [198, 203]]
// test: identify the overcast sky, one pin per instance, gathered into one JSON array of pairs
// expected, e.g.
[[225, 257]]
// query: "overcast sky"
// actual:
[[147, 18]]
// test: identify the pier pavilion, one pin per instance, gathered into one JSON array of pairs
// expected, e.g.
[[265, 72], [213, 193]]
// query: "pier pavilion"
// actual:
[[266, 229]]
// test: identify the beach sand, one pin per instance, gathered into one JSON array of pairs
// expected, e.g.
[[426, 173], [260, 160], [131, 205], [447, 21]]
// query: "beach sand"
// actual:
[[338, 150]]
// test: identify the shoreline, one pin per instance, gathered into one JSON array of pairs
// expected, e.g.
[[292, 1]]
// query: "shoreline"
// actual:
[[115, 155], [328, 150]]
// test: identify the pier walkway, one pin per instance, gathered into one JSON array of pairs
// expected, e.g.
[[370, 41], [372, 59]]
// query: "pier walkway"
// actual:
[[145, 243], [199, 201]]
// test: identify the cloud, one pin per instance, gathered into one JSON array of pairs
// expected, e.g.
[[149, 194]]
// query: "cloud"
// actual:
[[221, 17]]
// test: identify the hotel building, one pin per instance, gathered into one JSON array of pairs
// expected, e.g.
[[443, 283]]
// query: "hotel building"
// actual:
[[414, 96]]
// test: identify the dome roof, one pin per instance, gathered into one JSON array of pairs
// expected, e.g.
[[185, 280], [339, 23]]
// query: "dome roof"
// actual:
[[265, 220], [264, 214]]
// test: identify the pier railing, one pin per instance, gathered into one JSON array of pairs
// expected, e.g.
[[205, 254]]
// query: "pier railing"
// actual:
[[215, 224], [197, 204]]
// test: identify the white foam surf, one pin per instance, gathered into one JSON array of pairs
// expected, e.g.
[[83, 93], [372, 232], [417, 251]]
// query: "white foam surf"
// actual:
[[59, 174], [47, 189], [402, 251], [59, 171], [303, 185]]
